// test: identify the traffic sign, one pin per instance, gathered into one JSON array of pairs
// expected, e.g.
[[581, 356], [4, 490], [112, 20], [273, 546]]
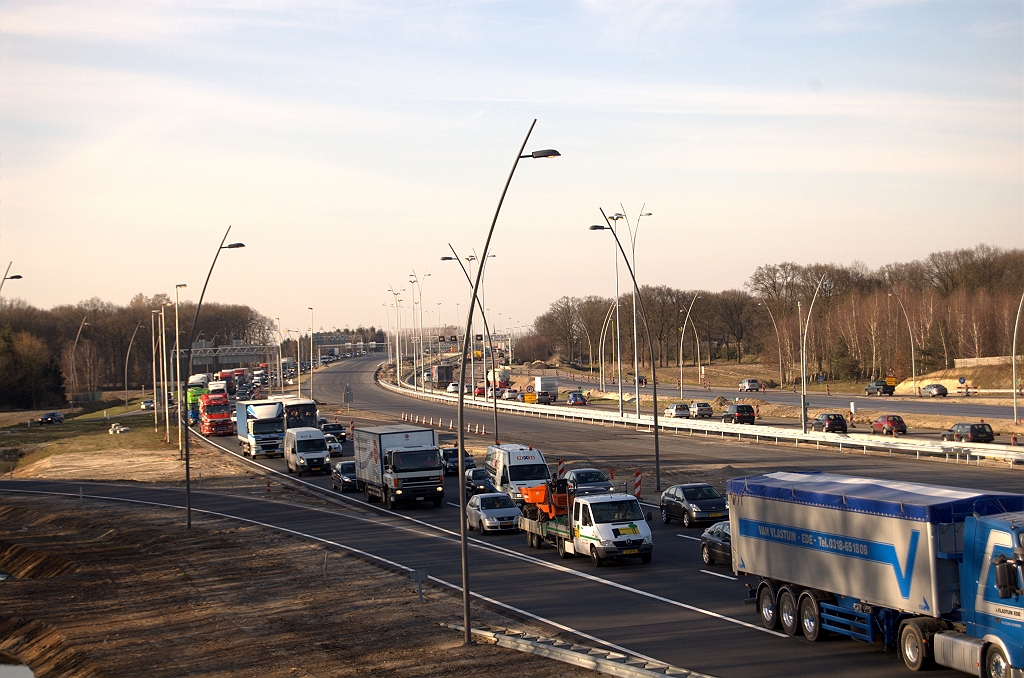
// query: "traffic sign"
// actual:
[[530, 398], [442, 338], [890, 373], [529, 388], [454, 339], [962, 380], [890, 381], [479, 337]]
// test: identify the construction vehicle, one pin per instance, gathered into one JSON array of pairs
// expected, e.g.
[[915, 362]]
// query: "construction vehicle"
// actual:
[[600, 526]]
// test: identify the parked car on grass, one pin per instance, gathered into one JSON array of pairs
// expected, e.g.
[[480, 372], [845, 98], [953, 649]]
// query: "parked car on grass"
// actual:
[[494, 512], [698, 410], [750, 385], [832, 422], [934, 391], [970, 433], [343, 476], [587, 481], [677, 411], [738, 413], [693, 503], [576, 398], [716, 544], [879, 388], [887, 423], [52, 418]]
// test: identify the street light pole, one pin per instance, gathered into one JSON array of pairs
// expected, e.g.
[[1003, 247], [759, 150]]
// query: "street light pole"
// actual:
[[311, 353], [1013, 360], [463, 538], [152, 334], [74, 372], [650, 345], [682, 335], [910, 329], [398, 334], [803, 358], [280, 361], [8, 277], [165, 369], [778, 340], [177, 364], [191, 337], [127, 355]]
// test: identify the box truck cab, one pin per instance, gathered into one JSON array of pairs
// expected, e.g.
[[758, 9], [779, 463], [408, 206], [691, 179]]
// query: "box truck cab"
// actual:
[[260, 426], [398, 463], [305, 451], [513, 467]]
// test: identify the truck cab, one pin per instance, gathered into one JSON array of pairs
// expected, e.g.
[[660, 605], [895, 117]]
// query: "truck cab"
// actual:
[[305, 451], [610, 526]]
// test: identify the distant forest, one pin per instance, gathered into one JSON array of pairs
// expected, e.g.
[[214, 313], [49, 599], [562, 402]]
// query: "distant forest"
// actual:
[[958, 304]]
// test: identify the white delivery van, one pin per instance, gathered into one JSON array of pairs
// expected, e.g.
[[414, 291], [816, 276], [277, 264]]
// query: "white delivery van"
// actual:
[[305, 451], [513, 467]]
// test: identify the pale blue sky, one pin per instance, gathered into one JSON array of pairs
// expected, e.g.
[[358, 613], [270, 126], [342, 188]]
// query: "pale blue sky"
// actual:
[[348, 143]]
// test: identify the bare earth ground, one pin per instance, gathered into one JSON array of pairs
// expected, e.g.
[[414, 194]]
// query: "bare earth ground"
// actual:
[[101, 588]]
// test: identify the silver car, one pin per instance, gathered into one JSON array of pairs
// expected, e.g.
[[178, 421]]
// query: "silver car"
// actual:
[[493, 512], [678, 411], [698, 410], [587, 481], [750, 385]]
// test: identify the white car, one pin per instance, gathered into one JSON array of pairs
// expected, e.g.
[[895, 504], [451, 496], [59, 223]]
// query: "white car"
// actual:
[[509, 394], [148, 404], [750, 385], [333, 446], [453, 387], [678, 410], [492, 512]]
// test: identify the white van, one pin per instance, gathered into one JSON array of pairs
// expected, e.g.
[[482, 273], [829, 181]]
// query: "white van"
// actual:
[[305, 450], [513, 467]]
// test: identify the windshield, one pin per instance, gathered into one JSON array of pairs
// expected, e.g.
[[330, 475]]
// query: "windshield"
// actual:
[[616, 511], [699, 493], [702, 405], [523, 472], [502, 502], [347, 467], [450, 455], [218, 409], [981, 428], [301, 416], [590, 477], [313, 445], [272, 426], [419, 460], [478, 474]]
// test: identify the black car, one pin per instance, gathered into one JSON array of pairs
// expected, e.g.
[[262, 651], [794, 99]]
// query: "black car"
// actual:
[[343, 476], [829, 423], [451, 461], [738, 414], [716, 544], [693, 503], [478, 481], [879, 388], [587, 481], [52, 418], [336, 430], [970, 433]]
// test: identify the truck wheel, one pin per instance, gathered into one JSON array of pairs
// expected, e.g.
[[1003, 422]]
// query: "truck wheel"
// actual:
[[912, 647], [529, 540], [288, 467], [665, 518], [766, 606], [595, 558], [788, 613], [810, 619], [705, 554], [996, 665], [562, 553]]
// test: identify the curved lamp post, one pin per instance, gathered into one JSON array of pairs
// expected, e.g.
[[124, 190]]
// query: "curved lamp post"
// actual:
[[8, 277], [1013, 359], [910, 329], [398, 334], [650, 345], [778, 340], [127, 355], [604, 330], [548, 153], [682, 335], [191, 336], [74, 373], [803, 361]]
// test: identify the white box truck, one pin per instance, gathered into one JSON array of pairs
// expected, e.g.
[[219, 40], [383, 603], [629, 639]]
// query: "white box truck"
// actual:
[[549, 384], [933, 572], [398, 463]]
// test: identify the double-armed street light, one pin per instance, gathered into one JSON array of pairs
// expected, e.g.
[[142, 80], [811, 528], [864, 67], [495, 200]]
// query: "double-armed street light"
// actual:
[[191, 337], [910, 329], [682, 335], [74, 372], [310, 354], [778, 340], [463, 537], [803, 358], [398, 334], [650, 345]]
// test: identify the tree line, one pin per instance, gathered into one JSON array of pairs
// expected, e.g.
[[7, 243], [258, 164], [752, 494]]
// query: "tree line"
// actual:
[[953, 304], [41, 365]]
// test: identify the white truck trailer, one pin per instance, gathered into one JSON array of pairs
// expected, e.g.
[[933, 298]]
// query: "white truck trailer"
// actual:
[[549, 384], [934, 572], [398, 463]]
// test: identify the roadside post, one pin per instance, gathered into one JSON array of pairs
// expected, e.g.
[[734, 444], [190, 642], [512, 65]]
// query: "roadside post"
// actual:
[[419, 576]]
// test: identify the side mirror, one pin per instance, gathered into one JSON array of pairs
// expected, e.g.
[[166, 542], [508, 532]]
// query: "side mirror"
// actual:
[[1006, 577], [648, 516]]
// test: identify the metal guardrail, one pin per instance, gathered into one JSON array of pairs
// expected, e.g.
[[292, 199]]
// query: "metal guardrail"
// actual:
[[958, 452]]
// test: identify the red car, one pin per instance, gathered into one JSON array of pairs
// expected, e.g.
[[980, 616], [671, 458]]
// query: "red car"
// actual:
[[887, 423], [479, 390]]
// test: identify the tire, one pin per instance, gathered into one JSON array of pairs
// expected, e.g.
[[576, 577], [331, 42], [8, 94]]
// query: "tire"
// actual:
[[687, 520], [912, 647], [288, 467], [595, 558], [789, 615], [664, 516], [767, 609], [996, 665], [469, 525], [562, 553], [705, 555], [390, 500], [646, 558], [810, 619]]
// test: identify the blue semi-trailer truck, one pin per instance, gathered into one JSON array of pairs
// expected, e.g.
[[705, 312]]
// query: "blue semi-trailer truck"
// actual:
[[932, 572]]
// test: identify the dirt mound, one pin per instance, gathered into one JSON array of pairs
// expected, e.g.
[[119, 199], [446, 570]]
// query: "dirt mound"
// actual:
[[538, 365], [720, 402]]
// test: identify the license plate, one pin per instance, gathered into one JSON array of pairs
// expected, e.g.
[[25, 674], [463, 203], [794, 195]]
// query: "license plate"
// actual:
[[506, 524], [630, 552], [419, 498], [715, 515], [314, 468]]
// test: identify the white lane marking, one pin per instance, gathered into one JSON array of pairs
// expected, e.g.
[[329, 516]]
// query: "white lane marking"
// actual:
[[718, 574], [686, 536], [366, 554], [542, 563], [452, 504]]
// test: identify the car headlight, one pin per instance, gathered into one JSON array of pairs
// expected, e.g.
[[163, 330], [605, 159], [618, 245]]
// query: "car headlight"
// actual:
[[648, 540], [490, 521], [606, 542], [726, 506], [517, 495], [301, 460], [327, 459]]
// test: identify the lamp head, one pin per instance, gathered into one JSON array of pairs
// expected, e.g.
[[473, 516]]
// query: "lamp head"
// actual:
[[447, 258], [546, 153], [233, 246], [647, 214], [180, 285], [13, 277], [598, 227]]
